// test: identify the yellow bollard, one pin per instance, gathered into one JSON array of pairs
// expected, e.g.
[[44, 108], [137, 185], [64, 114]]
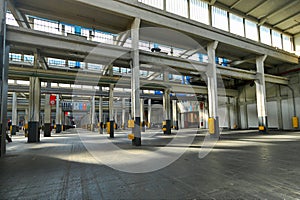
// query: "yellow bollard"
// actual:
[[164, 125], [211, 125], [295, 122], [130, 123], [108, 127], [131, 136]]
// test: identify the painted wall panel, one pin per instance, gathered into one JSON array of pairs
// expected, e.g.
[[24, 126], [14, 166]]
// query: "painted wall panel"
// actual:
[[252, 116]]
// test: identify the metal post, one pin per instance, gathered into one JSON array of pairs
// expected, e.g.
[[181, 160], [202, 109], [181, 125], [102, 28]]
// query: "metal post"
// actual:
[[4, 52], [149, 112], [93, 114], [174, 109], [167, 107], [111, 111], [142, 115], [58, 115], [212, 90], [123, 113], [261, 95], [135, 87], [101, 114], [34, 110], [14, 114], [279, 108], [47, 111]]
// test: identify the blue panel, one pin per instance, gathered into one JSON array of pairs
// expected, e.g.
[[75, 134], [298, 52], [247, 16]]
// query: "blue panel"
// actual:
[[200, 57], [224, 62], [158, 92], [188, 80], [78, 30], [183, 80], [77, 64], [217, 60]]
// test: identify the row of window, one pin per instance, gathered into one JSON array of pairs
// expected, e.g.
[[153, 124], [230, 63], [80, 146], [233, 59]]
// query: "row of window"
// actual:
[[98, 36], [198, 10]]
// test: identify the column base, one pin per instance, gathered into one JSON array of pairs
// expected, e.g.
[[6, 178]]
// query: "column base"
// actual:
[[213, 126], [47, 130], [143, 126], [58, 128], [175, 125], [263, 124], [92, 127], [137, 141], [101, 128], [33, 132], [167, 128], [14, 129], [112, 129]]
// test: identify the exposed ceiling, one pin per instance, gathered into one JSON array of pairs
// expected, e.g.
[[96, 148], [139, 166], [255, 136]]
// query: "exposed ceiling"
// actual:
[[283, 15]]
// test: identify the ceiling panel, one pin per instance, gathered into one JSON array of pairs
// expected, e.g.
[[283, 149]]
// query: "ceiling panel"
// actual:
[[266, 8], [245, 5]]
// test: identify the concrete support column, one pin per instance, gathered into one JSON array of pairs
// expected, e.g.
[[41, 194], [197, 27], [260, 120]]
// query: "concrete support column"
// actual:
[[135, 82], [235, 111], [279, 109], [93, 114], [111, 111], [47, 118], [116, 117], [123, 125], [4, 52], [34, 110], [14, 116], [142, 115], [58, 115], [26, 118], [174, 109], [201, 115], [261, 95], [182, 120], [101, 115], [167, 107], [149, 112], [228, 106], [212, 90]]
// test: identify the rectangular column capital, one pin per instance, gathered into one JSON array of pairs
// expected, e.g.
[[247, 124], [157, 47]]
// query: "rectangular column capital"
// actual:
[[212, 45], [261, 59]]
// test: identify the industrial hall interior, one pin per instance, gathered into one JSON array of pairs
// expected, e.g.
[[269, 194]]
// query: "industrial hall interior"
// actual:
[[149, 99]]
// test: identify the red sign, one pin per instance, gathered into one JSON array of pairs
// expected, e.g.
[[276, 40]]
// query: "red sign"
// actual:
[[201, 105], [52, 100]]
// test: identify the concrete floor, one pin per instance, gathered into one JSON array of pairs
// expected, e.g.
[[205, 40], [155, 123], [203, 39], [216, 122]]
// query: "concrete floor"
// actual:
[[242, 165]]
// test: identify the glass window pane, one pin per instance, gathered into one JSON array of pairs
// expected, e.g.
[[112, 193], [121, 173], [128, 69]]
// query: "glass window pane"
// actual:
[[199, 11], [236, 25], [276, 39], [265, 35], [10, 20], [179, 7], [219, 18], [287, 43], [251, 30]]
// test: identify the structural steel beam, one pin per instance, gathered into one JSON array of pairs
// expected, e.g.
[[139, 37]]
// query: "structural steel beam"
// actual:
[[37, 39], [169, 21]]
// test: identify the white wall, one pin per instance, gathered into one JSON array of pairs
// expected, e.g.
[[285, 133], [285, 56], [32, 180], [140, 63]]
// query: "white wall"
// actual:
[[297, 44]]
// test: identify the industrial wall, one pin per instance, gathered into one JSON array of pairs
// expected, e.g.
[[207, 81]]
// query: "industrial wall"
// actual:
[[283, 103]]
